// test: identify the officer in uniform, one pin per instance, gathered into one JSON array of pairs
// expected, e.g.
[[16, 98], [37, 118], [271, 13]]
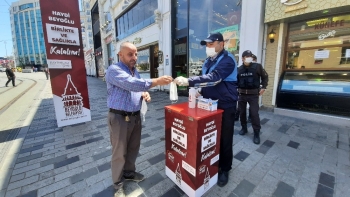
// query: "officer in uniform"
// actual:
[[252, 81], [219, 81]]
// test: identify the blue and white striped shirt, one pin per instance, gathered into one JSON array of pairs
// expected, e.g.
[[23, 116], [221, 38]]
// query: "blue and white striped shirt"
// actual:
[[124, 90]]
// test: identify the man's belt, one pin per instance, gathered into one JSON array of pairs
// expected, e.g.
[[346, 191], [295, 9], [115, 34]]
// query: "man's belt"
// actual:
[[124, 113], [248, 91]]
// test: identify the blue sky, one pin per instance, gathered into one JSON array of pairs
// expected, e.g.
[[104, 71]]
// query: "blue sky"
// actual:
[[5, 30]]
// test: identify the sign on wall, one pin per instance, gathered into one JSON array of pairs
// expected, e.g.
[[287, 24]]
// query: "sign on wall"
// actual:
[[231, 37], [321, 54], [65, 57]]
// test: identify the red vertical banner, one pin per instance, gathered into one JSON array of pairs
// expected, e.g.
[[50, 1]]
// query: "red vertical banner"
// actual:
[[65, 59]]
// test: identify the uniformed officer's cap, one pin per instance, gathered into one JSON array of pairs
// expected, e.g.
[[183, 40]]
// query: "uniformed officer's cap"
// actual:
[[254, 57], [212, 38], [247, 53]]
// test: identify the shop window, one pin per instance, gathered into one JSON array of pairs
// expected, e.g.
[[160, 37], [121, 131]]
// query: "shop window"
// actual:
[[322, 43], [25, 6], [143, 63], [136, 18], [180, 33], [210, 17], [110, 53]]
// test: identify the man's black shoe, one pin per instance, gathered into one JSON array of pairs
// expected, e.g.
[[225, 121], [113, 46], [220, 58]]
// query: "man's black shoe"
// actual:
[[222, 179], [256, 138], [133, 176], [244, 130]]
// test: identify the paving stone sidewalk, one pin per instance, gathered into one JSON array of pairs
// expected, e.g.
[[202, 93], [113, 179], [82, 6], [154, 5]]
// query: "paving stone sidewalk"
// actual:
[[295, 158]]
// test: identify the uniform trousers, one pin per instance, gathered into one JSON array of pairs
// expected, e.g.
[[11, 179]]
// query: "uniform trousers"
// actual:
[[253, 100], [125, 139], [226, 139]]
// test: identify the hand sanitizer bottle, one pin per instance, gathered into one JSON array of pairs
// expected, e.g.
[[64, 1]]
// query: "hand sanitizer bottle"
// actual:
[[192, 97]]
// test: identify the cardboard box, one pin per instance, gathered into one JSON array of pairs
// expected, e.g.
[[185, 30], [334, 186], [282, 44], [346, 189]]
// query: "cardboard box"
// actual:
[[207, 104]]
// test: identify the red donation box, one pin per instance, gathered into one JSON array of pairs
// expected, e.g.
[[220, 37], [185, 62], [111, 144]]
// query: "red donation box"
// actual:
[[192, 147]]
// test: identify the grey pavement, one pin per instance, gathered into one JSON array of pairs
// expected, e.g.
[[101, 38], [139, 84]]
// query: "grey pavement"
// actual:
[[295, 157]]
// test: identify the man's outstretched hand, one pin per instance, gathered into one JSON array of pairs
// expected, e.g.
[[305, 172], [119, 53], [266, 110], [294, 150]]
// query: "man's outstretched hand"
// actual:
[[181, 81]]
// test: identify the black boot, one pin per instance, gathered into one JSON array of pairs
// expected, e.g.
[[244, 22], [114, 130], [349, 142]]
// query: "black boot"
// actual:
[[222, 178], [256, 139], [244, 129]]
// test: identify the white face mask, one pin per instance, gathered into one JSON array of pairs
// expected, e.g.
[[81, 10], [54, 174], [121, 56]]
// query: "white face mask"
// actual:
[[210, 52], [248, 60]]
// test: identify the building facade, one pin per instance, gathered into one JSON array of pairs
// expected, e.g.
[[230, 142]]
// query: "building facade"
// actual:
[[136, 22], [308, 56], [167, 33], [86, 24], [27, 33]]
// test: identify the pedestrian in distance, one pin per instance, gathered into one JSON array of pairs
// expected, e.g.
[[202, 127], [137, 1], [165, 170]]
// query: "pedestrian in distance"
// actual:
[[47, 73], [252, 82], [10, 76], [219, 81], [125, 91]]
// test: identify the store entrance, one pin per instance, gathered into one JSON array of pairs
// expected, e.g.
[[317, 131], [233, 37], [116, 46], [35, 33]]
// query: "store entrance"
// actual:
[[147, 62], [154, 61]]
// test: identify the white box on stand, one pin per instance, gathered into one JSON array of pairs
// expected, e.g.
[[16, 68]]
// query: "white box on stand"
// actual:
[[207, 104]]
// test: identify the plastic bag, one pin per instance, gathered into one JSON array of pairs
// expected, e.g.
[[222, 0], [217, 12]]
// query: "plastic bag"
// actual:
[[143, 110], [173, 92]]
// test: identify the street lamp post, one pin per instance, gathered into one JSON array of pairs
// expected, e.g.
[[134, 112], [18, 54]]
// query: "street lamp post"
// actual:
[[5, 46]]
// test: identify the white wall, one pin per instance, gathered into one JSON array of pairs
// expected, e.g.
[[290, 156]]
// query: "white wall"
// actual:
[[252, 28], [165, 36]]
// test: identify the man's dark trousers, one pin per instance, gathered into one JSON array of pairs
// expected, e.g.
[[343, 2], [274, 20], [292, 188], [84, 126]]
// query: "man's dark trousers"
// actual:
[[13, 81], [226, 139], [253, 100]]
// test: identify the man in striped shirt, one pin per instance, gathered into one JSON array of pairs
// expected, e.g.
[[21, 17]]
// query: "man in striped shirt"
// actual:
[[125, 91]]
